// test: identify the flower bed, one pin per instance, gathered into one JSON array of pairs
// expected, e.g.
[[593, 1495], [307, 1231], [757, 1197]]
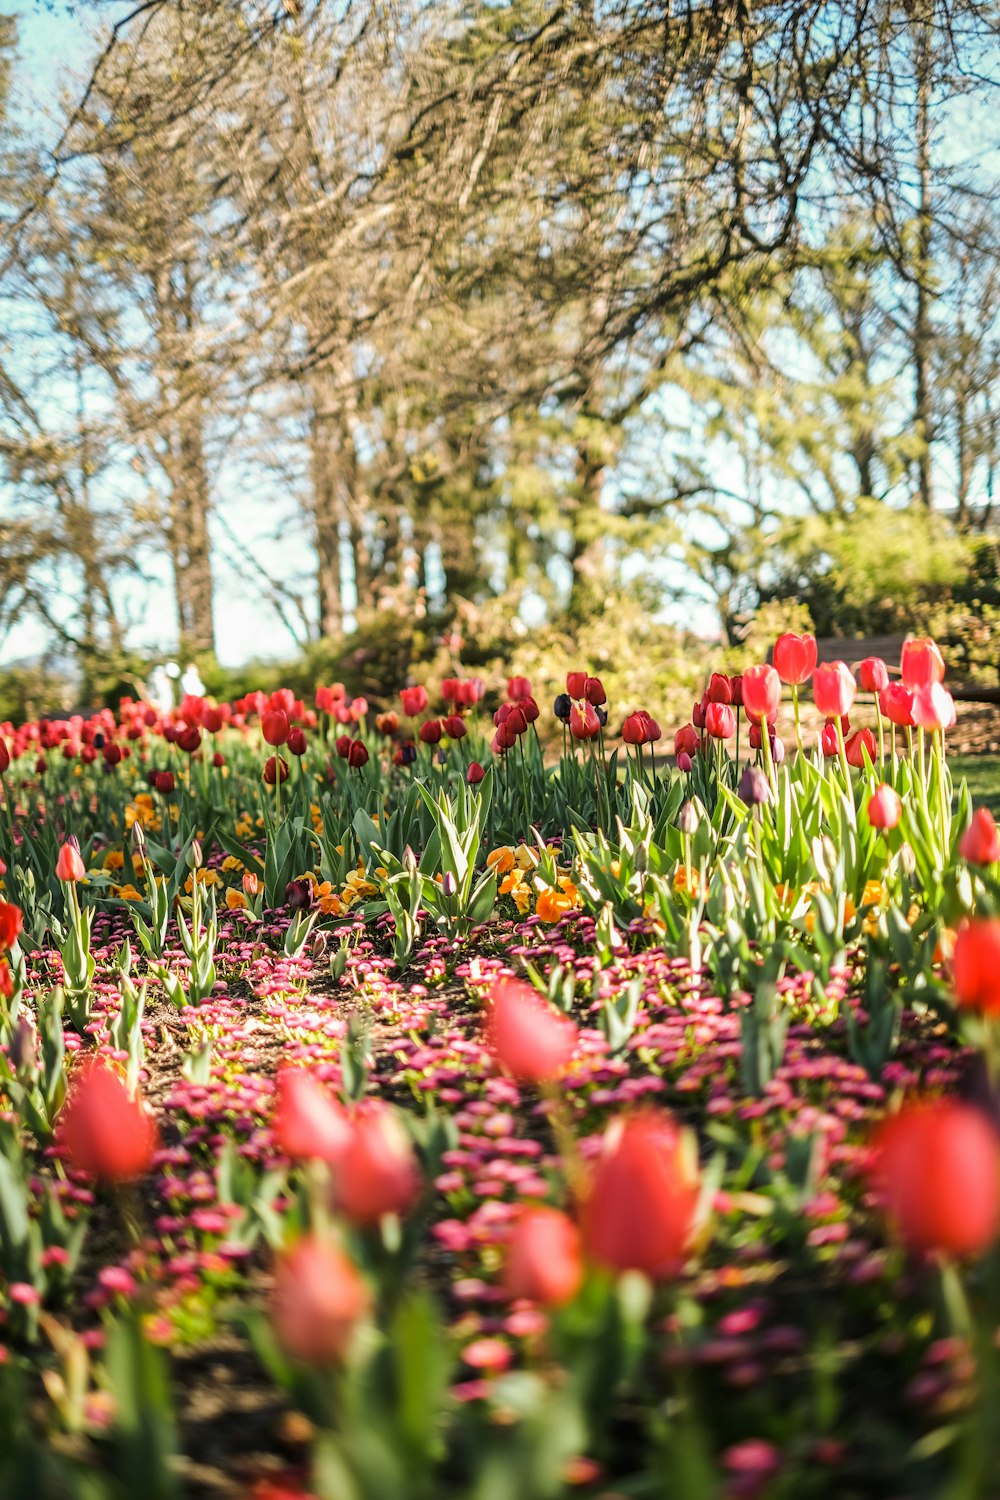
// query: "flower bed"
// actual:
[[388, 1112]]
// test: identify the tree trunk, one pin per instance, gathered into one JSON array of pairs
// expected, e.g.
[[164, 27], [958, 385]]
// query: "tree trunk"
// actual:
[[922, 329]]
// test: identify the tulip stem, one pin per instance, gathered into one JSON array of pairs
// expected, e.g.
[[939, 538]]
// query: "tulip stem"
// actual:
[[842, 750], [798, 724], [881, 732], [765, 740]]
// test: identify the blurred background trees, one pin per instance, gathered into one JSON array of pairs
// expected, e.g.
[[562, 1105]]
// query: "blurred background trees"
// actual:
[[424, 316]]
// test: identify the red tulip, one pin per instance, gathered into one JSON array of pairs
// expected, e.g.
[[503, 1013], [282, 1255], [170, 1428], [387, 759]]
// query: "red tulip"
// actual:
[[720, 721], [342, 744], [163, 781], [720, 689], [357, 755], [593, 691], [884, 807], [980, 843], [455, 727], [529, 1038], [529, 708], [211, 719], [794, 657], [69, 865], [104, 1131], [640, 1207], [933, 708], [896, 702], [4, 756], [296, 741], [189, 740], [873, 674], [937, 1168], [544, 1258], [834, 689], [860, 741], [575, 683], [274, 726], [274, 767], [308, 1122], [378, 1174], [515, 720], [975, 966], [11, 924], [475, 773], [761, 693], [283, 699], [319, 1298], [921, 664], [414, 700], [583, 721], [430, 731], [387, 723], [634, 729], [686, 740], [518, 687]]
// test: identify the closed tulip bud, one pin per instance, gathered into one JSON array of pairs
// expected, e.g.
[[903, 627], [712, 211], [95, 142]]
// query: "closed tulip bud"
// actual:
[[687, 818], [308, 1122], [357, 755], [980, 843], [296, 741], [529, 708], [593, 691], [112, 754], [562, 706], [684, 761], [583, 721], [861, 740], [455, 727], [414, 700], [407, 753], [342, 744], [754, 788], [274, 767], [873, 675], [283, 699], [211, 719], [518, 687], [720, 721], [515, 722], [933, 708], [378, 1175], [777, 749], [921, 664], [218, 759], [4, 756], [897, 705], [24, 1048], [720, 689], [69, 865], [475, 773], [575, 683], [103, 1131], [358, 709], [834, 689], [430, 731], [165, 782], [251, 884], [274, 726], [137, 837], [761, 693], [387, 723], [975, 966], [194, 858], [828, 742], [936, 1167], [634, 730], [884, 807], [795, 657], [686, 740], [544, 1258], [298, 895], [189, 740], [640, 1207], [736, 688], [319, 1298], [653, 730], [41, 765], [698, 714], [530, 1039]]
